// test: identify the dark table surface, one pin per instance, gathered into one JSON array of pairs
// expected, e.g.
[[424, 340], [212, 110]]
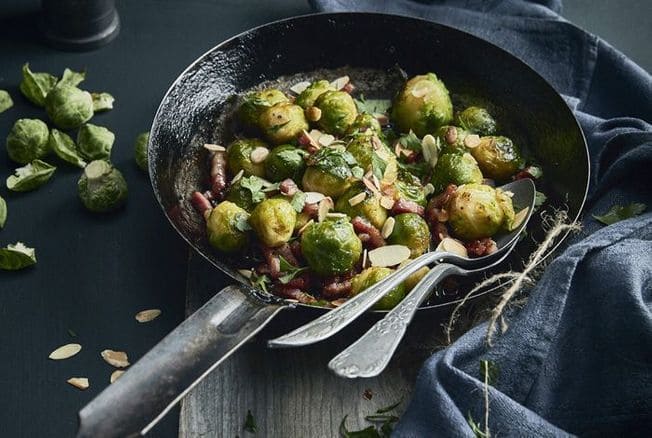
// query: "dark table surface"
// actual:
[[95, 272]]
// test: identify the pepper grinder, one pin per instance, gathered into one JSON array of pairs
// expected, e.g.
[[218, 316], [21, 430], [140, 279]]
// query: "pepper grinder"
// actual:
[[79, 24]]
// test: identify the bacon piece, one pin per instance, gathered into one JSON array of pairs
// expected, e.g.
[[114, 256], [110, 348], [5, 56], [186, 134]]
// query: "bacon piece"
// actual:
[[286, 252], [312, 210], [273, 262], [406, 206], [524, 174], [295, 247], [348, 88], [481, 247], [307, 142], [295, 294], [336, 287], [363, 227], [288, 187], [218, 174], [201, 203]]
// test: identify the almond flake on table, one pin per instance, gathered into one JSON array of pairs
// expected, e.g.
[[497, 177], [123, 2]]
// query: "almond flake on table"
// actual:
[[79, 382], [147, 315], [65, 351], [214, 147], [117, 359]]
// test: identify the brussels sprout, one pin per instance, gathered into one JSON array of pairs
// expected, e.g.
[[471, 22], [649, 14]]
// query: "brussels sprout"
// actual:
[[476, 120], [338, 112], [36, 86], [452, 138], [27, 140], [273, 221], [411, 191], [373, 275], [498, 157], [226, 226], [68, 106], [102, 187], [30, 176], [246, 192], [411, 230], [423, 105], [307, 97], [3, 212], [17, 256], [282, 122], [95, 142], [362, 146], [140, 151], [331, 247], [477, 211], [285, 161], [238, 157], [369, 208], [5, 101], [364, 122], [415, 278], [64, 148], [455, 168], [102, 102], [328, 172], [256, 102]]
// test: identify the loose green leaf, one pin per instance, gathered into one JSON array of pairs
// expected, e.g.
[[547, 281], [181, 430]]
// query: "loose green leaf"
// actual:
[[475, 428], [619, 213], [490, 370], [72, 78], [369, 432], [255, 186], [290, 270], [30, 176], [64, 148], [260, 281], [36, 86], [250, 423], [17, 256], [242, 224], [102, 102], [372, 106], [378, 165], [410, 141], [298, 201], [390, 407], [5, 101], [3, 212], [140, 150], [95, 142]]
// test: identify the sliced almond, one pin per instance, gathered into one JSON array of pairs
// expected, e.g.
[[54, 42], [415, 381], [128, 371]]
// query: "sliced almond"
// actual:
[[246, 273], [147, 315], [116, 375], [421, 89], [374, 178], [335, 215], [315, 134], [214, 147], [364, 258], [325, 205], [303, 228], [299, 88], [520, 217], [237, 176], [259, 154], [326, 140], [314, 197], [430, 147], [388, 227], [472, 140], [390, 255], [355, 200], [117, 359], [453, 246], [338, 302], [371, 186], [386, 202], [340, 82], [78, 382], [313, 114], [428, 189], [65, 351]]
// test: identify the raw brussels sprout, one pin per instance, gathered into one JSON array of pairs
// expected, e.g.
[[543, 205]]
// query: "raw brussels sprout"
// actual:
[[307, 97], [64, 148], [282, 122], [5, 101], [338, 112], [364, 122], [27, 140], [476, 120], [246, 192], [362, 147], [140, 151], [30, 176], [498, 157], [331, 247], [369, 208], [68, 106], [95, 142], [36, 86], [411, 230], [3, 212], [455, 168], [328, 172], [423, 105], [256, 102], [226, 226], [451, 138], [273, 221], [102, 187], [477, 210], [373, 275], [102, 102], [17, 256], [285, 161], [238, 157]]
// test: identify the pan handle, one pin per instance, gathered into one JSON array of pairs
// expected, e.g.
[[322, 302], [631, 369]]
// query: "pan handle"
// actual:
[[160, 379]]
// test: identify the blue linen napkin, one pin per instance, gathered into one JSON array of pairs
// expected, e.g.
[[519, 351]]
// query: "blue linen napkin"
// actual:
[[577, 359]]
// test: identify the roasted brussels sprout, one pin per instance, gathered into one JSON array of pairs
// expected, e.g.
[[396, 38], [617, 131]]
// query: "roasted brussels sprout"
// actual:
[[273, 221], [331, 247], [307, 97], [369, 208], [411, 230], [456, 168], [95, 142], [285, 161], [477, 210], [498, 157], [102, 187], [226, 226], [256, 102], [238, 157], [423, 105], [338, 112], [68, 106], [328, 172], [415, 278], [140, 150], [411, 191], [247, 192], [452, 138], [476, 120], [373, 275], [282, 122], [27, 140], [364, 122], [363, 145]]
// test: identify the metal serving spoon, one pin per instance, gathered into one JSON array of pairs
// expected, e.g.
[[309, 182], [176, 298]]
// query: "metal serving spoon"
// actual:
[[335, 320]]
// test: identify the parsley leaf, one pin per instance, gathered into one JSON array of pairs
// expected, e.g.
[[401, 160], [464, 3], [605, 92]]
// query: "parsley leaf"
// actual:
[[290, 270], [260, 281], [619, 213], [372, 106], [298, 201], [250, 423], [255, 186], [539, 199], [241, 223], [410, 141], [378, 165], [357, 172]]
